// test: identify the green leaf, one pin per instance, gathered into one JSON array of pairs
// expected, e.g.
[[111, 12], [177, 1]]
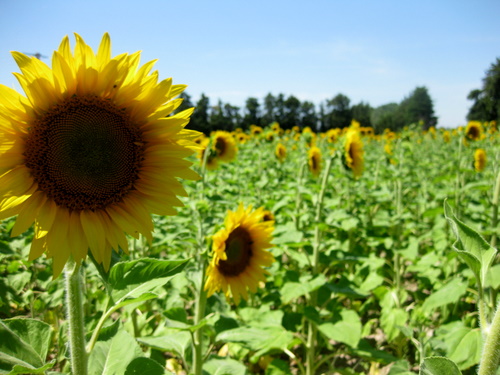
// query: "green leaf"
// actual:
[[261, 339], [131, 280], [224, 367], [471, 246], [34, 332], [438, 366], [113, 356], [141, 271], [450, 293], [391, 320], [20, 349], [278, 367], [347, 330], [466, 346], [293, 290], [145, 366], [22, 370], [175, 342]]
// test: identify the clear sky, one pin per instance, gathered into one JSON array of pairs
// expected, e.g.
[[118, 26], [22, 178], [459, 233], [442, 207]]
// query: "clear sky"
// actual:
[[372, 51]]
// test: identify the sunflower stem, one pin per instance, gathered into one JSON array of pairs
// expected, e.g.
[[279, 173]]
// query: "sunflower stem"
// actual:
[[313, 300], [199, 315], [298, 197], [490, 359], [494, 203], [76, 318]]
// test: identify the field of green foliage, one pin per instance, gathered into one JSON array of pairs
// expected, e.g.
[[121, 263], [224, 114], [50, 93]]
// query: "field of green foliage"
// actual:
[[368, 277]]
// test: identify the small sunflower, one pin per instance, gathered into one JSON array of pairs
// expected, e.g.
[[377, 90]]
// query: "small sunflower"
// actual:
[[474, 131], [89, 153], [314, 160], [353, 152], [479, 160], [240, 253], [224, 145], [280, 152], [212, 162], [255, 130]]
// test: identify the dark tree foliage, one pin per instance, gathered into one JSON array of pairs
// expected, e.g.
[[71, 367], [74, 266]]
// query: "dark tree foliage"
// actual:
[[290, 111], [252, 114], [339, 114], [486, 101], [362, 113]]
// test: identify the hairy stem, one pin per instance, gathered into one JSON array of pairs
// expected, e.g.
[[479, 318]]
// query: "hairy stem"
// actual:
[[76, 318]]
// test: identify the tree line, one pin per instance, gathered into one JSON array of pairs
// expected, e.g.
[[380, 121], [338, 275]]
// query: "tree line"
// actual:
[[289, 111], [486, 100]]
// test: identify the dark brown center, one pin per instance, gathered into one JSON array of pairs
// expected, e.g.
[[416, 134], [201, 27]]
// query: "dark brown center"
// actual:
[[220, 145], [238, 252], [84, 153]]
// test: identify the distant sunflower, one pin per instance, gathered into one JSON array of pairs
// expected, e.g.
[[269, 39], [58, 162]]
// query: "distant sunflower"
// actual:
[[268, 216], [280, 152], [314, 160], [353, 152], [224, 145], [474, 131], [211, 162], [239, 254], [255, 130], [479, 160], [89, 153]]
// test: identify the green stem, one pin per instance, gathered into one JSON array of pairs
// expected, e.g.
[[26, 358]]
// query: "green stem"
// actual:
[[490, 359], [199, 315], [298, 197], [76, 318], [457, 181], [313, 298], [494, 203]]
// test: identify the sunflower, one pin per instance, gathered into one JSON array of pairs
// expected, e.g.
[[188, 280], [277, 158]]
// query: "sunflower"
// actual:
[[224, 145], [353, 152], [280, 152], [314, 160], [255, 130], [239, 254], [473, 131], [212, 161], [88, 154], [479, 160]]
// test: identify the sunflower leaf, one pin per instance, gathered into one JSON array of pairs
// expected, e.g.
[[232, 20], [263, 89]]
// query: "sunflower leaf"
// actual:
[[471, 247]]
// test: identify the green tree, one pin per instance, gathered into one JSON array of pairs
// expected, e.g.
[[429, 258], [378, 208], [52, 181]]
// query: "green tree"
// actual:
[[200, 118], [385, 117], [418, 108], [252, 113], [269, 110], [291, 115], [486, 101], [339, 113], [308, 116], [361, 112]]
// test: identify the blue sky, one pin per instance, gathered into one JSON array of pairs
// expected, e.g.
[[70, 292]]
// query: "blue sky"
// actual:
[[371, 51]]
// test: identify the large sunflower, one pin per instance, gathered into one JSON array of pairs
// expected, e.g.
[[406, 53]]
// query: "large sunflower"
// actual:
[[88, 154], [314, 160], [353, 152], [239, 253]]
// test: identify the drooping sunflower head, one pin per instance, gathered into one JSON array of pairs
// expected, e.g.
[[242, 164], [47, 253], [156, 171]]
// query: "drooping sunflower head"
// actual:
[[314, 160], [224, 145], [89, 153], [353, 152], [479, 160], [280, 152], [474, 131], [240, 253]]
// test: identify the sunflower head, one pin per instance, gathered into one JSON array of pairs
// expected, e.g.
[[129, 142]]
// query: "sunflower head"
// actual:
[[240, 253], [479, 160], [87, 153], [474, 131], [353, 152], [280, 152], [314, 160], [446, 136], [224, 145], [255, 130]]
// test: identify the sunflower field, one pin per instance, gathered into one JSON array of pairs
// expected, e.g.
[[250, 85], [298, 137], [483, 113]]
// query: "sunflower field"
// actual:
[[289, 252]]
